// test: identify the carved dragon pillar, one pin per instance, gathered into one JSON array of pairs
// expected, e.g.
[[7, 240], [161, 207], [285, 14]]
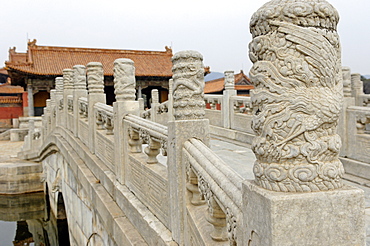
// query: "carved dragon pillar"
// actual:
[[188, 85], [297, 97]]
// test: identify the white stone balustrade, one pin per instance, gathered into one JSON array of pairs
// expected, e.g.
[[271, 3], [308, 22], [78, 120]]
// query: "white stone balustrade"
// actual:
[[220, 188], [186, 195], [104, 114]]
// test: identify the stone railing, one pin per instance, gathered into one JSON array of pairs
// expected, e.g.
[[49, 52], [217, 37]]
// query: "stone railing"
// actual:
[[214, 185], [187, 190], [104, 141], [146, 171], [364, 100], [104, 118], [83, 126], [158, 111], [213, 103]]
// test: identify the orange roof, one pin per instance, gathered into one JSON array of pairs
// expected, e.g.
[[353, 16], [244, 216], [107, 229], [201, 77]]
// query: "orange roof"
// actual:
[[9, 89], [49, 60], [10, 99], [242, 82]]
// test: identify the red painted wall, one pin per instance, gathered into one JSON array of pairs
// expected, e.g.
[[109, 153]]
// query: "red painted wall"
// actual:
[[11, 112], [25, 99]]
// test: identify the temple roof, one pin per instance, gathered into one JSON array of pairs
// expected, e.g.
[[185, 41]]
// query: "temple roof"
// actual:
[[10, 89], [242, 82], [51, 60]]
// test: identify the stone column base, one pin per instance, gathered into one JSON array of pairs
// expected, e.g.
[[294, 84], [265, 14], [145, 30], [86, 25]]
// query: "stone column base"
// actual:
[[316, 218]]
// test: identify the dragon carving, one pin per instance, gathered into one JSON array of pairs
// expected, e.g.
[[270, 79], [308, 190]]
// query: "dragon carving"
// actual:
[[297, 97]]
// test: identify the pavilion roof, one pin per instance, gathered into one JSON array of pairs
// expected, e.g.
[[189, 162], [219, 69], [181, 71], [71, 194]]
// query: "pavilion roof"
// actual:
[[10, 89], [242, 82], [51, 60]]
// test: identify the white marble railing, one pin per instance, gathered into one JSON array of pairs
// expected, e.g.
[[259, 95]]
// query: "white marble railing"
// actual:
[[169, 169], [241, 104], [213, 184], [104, 117], [142, 131], [83, 127], [146, 171], [213, 100], [365, 99], [158, 112]]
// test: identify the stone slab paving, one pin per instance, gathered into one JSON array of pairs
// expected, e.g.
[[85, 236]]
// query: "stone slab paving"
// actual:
[[9, 150], [241, 158]]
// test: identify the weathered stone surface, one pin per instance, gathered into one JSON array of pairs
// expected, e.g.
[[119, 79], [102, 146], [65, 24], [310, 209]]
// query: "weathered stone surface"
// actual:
[[297, 97], [316, 218], [124, 80], [188, 85]]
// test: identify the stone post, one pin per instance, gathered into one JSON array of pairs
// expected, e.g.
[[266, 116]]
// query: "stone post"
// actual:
[[59, 101], [188, 110], [124, 88], [95, 83], [31, 109], [52, 110], [348, 101], [170, 100], [357, 88], [67, 90], [48, 116], [346, 72], [298, 197], [79, 90], [154, 105], [226, 108]]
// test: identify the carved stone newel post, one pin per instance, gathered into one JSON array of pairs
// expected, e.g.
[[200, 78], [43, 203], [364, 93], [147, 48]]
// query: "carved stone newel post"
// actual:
[[79, 85], [227, 110], [67, 90], [59, 100], [124, 80], [188, 111], [296, 103], [124, 89], [298, 95], [188, 85], [95, 85]]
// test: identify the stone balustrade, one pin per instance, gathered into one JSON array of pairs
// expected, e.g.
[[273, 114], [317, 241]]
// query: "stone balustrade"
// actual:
[[127, 173], [214, 185]]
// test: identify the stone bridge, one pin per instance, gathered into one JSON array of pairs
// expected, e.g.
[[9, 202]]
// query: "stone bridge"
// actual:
[[125, 176]]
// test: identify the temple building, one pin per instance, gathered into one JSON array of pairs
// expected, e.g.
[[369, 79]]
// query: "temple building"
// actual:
[[243, 85], [13, 103], [36, 70]]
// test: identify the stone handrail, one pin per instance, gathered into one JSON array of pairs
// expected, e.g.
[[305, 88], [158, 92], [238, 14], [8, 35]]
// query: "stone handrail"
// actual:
[[211, 181], [83, 107], [213, 100], [151, 133], [104, 117], [191, 172], [365, 99], [70, 103], [241, 104], [157, 113]]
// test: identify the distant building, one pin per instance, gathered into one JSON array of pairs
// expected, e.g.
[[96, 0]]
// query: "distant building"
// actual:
[[37, 69], [243, 85], [13, 102], [3, 76]]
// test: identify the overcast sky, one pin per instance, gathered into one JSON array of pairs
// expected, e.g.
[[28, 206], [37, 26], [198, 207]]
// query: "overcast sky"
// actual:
[[217, 29]]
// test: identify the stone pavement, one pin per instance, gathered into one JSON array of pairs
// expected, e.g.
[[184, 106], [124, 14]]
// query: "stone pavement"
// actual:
[[9, 150], [241, 158], [17, 176]]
